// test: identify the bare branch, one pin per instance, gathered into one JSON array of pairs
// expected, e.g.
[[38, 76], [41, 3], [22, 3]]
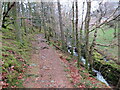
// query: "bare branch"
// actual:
[[107, 20]]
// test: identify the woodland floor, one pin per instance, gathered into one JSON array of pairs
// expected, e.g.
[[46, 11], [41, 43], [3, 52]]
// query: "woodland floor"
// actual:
[[46, 69], [49, 68]]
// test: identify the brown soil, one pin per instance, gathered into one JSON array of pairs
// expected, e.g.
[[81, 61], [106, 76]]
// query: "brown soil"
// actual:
[[46, 69]]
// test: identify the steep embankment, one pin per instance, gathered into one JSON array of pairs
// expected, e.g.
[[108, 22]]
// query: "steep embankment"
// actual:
[[15, 56]]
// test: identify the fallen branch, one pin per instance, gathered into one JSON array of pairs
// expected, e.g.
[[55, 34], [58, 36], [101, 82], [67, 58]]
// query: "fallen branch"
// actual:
[[57, 47]]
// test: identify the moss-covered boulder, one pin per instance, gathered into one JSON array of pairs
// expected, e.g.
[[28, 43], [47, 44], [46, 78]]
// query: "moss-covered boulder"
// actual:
[[110, 70]]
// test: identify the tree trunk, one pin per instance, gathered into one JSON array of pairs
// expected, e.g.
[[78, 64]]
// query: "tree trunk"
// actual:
[[23, 19], [30, 16], [1, 18], [115, 30], [61, 25], [81, 28], [1, 14], [92, 50], [16, 24], [7, 8], [43, 20], [87, 21], [77, 39], [73, 39]]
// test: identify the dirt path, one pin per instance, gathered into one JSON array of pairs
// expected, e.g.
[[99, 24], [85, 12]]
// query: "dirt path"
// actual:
[[46, 69]]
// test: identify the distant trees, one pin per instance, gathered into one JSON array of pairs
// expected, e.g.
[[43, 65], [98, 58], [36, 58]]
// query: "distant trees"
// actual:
[[18, 16], [48, 16]]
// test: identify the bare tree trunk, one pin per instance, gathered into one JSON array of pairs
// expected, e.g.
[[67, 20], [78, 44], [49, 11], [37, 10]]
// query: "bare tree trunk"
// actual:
[[61, 25], [73, 39], [77, 40], [115, 30], [30, 15], [7, 8], [92, 50], [43, 20], [87, 21], [81, 28], [16, 24], [23, 19], [1, 14], [118, 27], [1, 18]]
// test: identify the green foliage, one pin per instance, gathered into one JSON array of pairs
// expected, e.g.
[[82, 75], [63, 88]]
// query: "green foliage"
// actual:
[[10, 59], [109, 69], [8, 33], [66, 70], [82, 73], [14, 55], [105, 36], [68, 58], [99, 58]]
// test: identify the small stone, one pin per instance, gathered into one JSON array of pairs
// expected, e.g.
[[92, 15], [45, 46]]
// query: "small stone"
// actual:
[[33, 64], [52, 81], [42, 81]]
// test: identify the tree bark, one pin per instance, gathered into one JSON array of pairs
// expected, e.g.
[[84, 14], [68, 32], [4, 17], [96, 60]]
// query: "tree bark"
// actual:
[[23, 20], [43, 20], [30, 15], [61, 25], [77, 39], [1, 14], [87, 21], [81, 28], [6, 13], [73, 39], [16, 24]]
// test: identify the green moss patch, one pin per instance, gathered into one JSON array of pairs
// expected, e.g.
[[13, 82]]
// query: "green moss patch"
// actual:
[[110, 70], [14, 56]]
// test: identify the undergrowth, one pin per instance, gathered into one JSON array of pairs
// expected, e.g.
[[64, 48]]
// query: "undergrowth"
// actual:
[[14, 57]]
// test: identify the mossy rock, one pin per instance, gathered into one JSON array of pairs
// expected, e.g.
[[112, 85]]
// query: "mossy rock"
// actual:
[[98, 57], [110, 70]]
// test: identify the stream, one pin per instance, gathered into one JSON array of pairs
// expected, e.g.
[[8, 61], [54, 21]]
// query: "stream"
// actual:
[[98, 73]]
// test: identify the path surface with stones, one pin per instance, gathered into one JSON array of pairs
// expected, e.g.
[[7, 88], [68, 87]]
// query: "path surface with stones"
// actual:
[[46, 69]]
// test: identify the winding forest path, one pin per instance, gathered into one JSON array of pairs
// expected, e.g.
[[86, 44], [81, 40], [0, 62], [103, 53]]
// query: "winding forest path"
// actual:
[[46, 69]]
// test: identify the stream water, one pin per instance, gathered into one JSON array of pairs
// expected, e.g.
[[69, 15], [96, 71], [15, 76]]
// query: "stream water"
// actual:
[[99, 75]]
